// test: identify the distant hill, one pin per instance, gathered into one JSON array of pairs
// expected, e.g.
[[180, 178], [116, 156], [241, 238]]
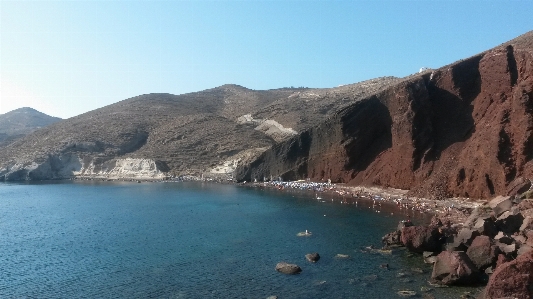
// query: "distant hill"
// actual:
[[22, 121]]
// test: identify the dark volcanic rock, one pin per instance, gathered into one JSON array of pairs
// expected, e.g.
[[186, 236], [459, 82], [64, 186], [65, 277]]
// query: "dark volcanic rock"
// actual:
[[312, 257], [421, 238], [486, 227], [509, 222], [463, 239], [392, 239], [482, 252], [454, 267], [512, 280], [286, 268]]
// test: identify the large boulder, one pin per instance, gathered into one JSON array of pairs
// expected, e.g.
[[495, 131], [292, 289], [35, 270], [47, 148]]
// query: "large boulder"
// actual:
[[287, 268], [501, 204], [510, 221], [485, 226], [508, 249], [482, 252], [454, 267], [421, 238], [513, 279], [476, 213], [462, 240], [527, 224], [392, 239], [518, 186], [504, 238]]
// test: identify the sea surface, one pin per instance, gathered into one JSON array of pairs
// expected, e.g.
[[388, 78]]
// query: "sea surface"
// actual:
[[197, 240]]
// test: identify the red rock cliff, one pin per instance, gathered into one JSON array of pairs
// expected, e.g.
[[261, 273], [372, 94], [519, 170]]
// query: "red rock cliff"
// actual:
[[461, 130]]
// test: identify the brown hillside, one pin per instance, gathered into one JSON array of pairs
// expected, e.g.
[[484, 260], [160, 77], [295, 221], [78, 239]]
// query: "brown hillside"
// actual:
[[185, 134]]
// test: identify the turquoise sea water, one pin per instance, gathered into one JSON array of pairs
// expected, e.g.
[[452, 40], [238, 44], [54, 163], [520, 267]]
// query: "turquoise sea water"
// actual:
[[194, 240]]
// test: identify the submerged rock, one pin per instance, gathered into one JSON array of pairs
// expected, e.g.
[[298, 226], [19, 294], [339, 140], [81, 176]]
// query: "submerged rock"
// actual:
[[312, 257], [287, 268], [406, 293]]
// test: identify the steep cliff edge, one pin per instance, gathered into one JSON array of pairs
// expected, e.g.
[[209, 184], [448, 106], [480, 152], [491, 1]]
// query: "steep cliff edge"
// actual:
[[461, 130]]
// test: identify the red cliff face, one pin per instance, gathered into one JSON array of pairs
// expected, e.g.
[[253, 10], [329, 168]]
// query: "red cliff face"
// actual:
[[463, 130]]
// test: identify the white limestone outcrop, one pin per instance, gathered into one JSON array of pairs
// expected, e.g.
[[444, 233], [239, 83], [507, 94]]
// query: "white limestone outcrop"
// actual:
[[64, 166]]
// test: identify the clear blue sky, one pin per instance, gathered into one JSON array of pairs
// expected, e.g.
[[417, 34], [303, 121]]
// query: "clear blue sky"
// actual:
[[65, 58]]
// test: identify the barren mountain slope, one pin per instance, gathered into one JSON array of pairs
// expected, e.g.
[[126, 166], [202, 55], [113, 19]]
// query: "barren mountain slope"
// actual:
[[156, 135], [22, 121]]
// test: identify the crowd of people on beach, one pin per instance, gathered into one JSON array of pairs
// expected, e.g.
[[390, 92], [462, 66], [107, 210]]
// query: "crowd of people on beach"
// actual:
[[301, 185], [351, 194]]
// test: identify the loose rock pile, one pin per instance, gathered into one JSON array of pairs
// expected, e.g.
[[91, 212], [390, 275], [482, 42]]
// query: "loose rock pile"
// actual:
[[496, 241]]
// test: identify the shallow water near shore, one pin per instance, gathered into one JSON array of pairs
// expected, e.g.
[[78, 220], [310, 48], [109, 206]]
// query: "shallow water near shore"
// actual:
[[196, 240]]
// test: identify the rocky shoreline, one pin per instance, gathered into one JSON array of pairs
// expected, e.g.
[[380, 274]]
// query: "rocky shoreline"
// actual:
[[469, 242], [494, 245]]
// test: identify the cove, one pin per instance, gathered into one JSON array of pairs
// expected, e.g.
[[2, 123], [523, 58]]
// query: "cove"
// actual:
[[195, 240]]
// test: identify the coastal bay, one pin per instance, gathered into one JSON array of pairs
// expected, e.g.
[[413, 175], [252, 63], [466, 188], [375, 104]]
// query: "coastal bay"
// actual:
[[196, 239]]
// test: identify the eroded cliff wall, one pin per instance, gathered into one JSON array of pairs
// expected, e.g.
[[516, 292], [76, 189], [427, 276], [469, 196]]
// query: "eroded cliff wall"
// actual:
[[462, 130]]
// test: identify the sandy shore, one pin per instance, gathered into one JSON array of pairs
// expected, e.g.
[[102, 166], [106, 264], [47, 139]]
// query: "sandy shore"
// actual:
[[450, 210]]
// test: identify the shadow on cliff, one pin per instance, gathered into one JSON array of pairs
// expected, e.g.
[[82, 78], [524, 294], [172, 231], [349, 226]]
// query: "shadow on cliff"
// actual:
[[451, 122], [451, 118], [367, 132]]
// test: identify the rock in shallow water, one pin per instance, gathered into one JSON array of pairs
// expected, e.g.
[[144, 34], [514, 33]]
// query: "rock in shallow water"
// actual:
[[421, 238], [287, 268], [312, 257]]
